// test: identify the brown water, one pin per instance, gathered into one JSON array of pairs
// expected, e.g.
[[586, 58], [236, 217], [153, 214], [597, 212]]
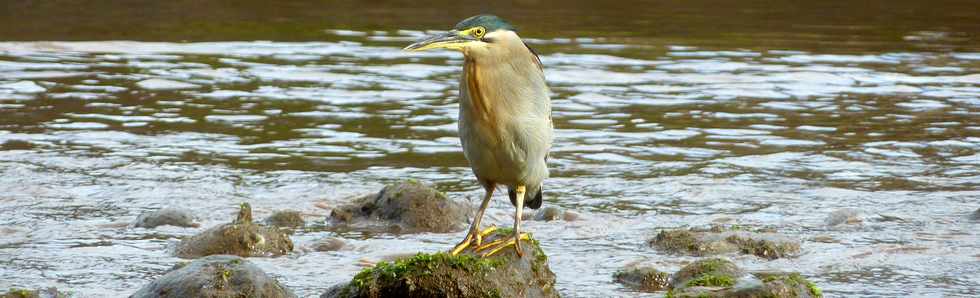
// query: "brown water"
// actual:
[[667, 114]]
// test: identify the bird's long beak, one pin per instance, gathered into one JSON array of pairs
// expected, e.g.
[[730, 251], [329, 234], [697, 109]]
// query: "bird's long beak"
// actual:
[[452, 40]]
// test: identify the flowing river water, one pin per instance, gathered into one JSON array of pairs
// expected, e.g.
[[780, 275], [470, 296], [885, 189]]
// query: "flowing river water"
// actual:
[[669, 115]]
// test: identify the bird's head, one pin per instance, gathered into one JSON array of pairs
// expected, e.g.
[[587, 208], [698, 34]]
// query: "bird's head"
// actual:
[[475, 31]]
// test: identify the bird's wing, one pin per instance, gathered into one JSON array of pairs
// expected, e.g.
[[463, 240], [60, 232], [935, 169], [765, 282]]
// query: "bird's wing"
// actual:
[[537, 60]]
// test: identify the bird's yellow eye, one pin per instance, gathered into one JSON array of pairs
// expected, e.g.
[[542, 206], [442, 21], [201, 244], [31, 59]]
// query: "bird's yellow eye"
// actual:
[[478, 32]]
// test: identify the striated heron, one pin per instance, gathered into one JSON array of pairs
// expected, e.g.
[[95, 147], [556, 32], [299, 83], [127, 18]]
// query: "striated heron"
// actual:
[[504, 117]]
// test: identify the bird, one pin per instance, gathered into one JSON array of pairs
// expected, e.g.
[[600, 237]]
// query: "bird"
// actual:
[[505, 124]]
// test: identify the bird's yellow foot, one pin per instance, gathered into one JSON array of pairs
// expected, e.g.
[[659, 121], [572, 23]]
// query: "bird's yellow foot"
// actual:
[[473, 238], [499, 244]]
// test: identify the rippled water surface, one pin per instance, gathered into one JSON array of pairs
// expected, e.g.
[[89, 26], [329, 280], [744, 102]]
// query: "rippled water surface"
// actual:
[[767, 125]]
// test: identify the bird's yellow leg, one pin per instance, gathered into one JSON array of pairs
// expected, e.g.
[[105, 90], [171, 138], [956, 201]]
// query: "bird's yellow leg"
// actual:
[[474, 234], [517, 220], [474, 240], [503, 243]]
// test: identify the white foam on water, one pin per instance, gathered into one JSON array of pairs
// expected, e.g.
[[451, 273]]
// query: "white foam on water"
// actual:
[[21, 87], [78, 125], [813, 128]]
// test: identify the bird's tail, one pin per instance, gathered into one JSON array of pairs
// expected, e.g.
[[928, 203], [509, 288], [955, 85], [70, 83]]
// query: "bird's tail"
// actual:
[[533, 202]]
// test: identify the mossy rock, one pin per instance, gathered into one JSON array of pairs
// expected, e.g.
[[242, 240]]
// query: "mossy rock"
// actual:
[[706, 242], [217, 276], [467, 275], [722, 278], [404, 207], [646, 279], [40, 293], [286, 219], [707, 273], [167, 216], [781, 284], [241, 237]]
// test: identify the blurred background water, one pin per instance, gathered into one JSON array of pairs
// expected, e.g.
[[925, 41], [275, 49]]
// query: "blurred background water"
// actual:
[[667, 114]]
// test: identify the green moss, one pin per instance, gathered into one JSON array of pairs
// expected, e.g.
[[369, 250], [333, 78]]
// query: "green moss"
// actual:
[[795, 280], [799, 279], [504, 231], [19, 293], [677, 240], [709, 280], [541, 258], [421, 264], [711, 265]]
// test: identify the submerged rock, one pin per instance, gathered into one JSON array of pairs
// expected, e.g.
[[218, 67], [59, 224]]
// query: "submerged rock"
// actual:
[[39, 293], [215, 276], [241, 237], [467, 275], [975, 215], [843, 216], [166, 216], [646, 279], [722, 278], [286, 219], [551, 213], [329, 244], [704, 242], [405, 207]]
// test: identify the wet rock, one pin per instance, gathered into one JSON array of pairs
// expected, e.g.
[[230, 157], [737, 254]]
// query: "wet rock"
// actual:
[[824, 239], [704, 242], [40, 293], [241, 237], [166, 216], [286, 219], [843, 216], [646, 279], [554, 213], [467, 275], [722, 278], [707, 273], [16, 145], [329, 244], [975, 215], [405, 207], [215, 276]]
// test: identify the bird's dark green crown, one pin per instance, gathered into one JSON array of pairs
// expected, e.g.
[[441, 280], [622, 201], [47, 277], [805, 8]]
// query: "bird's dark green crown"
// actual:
[[488, 21]]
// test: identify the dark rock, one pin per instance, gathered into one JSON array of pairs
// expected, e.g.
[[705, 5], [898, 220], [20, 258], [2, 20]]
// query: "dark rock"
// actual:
[[16, 145], [843, 216], [286, 219], [329, 244], [554, 213], [166, 216], [241, 237], [704, 242], [406, 207], [646, 279], [215, 276], [467, 275], [40, 293], [975, 215], [721, 278]]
